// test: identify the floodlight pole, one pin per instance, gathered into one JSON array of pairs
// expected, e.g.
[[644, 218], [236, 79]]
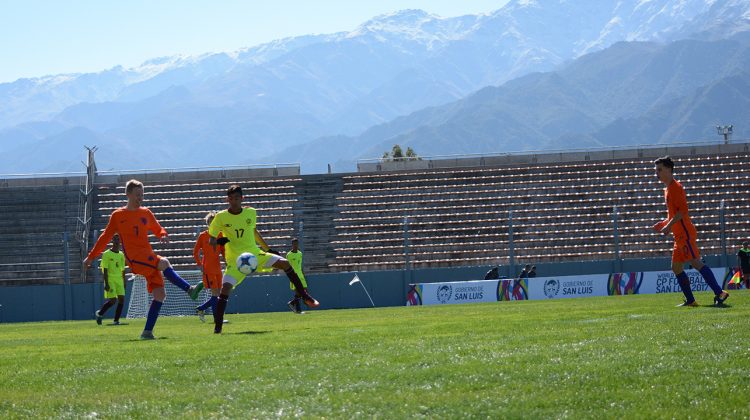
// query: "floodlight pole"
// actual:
[[511, 257], [406, 243], [66, 279], [725, 131], [722, 234], [615, 217]]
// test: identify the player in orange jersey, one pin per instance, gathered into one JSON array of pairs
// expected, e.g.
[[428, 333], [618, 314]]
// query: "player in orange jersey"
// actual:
[[685, 244], [132, 223], [210, 266]]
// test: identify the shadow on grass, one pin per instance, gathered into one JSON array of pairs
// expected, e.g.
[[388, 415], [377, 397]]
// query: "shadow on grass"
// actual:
[[117, 325], [721, 306], [154, 339], [250, 332]]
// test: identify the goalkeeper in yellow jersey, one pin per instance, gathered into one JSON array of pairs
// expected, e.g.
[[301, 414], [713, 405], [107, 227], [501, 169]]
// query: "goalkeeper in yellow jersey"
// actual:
[[295, 259], [237, 225]]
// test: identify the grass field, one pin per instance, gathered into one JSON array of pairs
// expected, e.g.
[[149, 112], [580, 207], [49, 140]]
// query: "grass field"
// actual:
[[613, 357]]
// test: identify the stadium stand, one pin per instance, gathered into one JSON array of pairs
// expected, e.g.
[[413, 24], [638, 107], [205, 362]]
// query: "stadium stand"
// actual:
[[434, 212], [34, 216]]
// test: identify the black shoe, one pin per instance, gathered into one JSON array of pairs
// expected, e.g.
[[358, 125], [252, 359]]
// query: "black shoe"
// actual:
[[98, 318], [294, 305], [298, 306], [720, 298]]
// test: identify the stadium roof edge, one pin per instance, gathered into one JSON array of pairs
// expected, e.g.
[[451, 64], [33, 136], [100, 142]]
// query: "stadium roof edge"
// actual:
[[552, 156], [164, 174]]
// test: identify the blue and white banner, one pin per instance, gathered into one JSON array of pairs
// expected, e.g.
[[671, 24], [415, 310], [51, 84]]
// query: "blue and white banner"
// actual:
[[455, 292], [568, 286], [539, 288]]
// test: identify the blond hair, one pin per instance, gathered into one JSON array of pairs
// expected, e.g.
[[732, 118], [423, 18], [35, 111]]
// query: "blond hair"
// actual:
[[132, 184], [209, 217]]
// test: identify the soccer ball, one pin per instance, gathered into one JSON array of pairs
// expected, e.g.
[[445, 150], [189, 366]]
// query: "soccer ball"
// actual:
[[247, 263]]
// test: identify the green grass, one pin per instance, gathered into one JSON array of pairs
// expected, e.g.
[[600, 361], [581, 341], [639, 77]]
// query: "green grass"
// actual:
[[614, 357]]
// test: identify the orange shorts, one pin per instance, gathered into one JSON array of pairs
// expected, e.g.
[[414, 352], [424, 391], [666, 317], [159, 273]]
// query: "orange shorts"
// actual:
[[212, 280], [146, 265], [685, 249]]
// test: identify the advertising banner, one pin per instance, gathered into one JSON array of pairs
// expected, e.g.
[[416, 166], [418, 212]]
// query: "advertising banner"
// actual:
[[453, 292], [652, 282], [568, 286], [541, 288]]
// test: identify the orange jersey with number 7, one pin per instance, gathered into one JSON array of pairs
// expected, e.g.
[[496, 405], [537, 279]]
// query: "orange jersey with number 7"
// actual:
[[133, 227]]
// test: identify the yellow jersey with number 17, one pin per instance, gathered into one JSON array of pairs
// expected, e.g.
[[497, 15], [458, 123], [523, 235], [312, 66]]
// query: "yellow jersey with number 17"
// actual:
[[239, 228]]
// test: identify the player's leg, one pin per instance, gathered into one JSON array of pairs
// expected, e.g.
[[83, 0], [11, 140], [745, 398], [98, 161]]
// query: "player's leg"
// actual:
[[719, 295], [103, 310], [683, 253], [155, 286], [120, 305], [118, 288], [166, 268], [282, 264], [682, 279], [211, 281], [222, 300]]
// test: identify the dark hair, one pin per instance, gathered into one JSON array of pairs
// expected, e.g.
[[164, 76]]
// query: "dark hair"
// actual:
[[295, 240], [234, 189], [745, 244], [666, 161]]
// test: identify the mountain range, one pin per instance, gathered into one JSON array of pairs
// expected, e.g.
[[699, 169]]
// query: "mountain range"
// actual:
[[532, 75]]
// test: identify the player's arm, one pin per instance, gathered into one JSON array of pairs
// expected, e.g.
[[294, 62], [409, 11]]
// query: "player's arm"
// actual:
[[197, 251], [668, 227], [156, 228], [101, 243], [261, 242], [106, 279], [214, 230]]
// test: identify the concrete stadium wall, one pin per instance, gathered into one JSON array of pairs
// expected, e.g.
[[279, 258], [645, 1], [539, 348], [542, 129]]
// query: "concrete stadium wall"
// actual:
[[270, 293]]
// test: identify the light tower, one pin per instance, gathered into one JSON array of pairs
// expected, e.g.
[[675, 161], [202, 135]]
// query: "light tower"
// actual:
[[725, 131]]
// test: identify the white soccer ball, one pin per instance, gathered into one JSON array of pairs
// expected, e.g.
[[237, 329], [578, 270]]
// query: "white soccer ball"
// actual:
[[247, 263]]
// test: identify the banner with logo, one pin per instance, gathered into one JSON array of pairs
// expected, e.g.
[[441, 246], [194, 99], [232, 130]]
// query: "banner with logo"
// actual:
[[568, 286], [539, 288], [652, 282], [453, 292]]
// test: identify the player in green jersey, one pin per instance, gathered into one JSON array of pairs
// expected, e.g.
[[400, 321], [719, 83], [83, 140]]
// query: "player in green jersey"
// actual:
[[295, 259], [113, 266], [237, 225]]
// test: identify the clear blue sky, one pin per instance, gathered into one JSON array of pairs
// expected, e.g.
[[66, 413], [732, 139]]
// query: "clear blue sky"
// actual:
[[71, 36]]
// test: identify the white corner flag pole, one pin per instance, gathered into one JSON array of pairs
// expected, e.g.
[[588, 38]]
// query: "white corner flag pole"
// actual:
[[357, 280]]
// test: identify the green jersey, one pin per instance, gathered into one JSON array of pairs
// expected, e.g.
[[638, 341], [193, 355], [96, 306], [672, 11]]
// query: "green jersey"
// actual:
[[295, 260], [114, 263], [239, 228]]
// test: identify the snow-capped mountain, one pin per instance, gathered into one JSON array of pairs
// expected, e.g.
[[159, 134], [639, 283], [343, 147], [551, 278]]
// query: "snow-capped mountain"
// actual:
[[293, 90]]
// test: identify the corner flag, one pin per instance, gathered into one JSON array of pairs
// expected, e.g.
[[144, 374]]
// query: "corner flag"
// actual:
[[357, 280]]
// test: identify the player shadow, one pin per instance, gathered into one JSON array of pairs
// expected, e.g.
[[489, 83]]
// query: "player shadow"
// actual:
[[721, 306], [251, 332], [155, 339], [116, 325]]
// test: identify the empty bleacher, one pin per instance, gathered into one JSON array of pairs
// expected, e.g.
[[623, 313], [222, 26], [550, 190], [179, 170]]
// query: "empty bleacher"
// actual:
[[34, 217], [181, 206], [560, 211], [440, 213]]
